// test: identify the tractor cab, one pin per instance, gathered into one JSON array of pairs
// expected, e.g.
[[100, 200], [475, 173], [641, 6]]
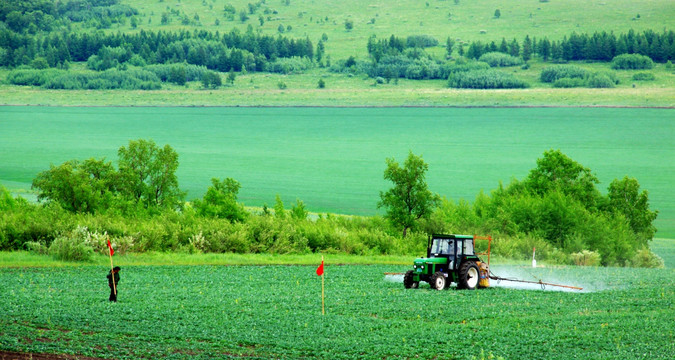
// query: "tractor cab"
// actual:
[[450, 258], [450, 247]]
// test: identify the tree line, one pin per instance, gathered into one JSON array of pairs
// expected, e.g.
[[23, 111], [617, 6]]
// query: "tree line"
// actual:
[[223, 52], [138, 204]]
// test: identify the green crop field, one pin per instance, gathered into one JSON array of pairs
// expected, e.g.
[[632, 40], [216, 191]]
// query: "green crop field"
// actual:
[[333, 158], [206, 312]]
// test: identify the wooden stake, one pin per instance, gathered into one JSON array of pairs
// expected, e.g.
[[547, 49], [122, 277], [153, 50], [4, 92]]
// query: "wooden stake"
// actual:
[[112, 272]]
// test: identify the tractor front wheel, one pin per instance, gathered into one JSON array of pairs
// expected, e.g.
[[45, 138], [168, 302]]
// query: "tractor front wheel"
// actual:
[[468, 276], [438, 281], [408, 280]]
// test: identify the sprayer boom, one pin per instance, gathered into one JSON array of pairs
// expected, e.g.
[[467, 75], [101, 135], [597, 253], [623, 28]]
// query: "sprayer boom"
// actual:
[[543, 284]]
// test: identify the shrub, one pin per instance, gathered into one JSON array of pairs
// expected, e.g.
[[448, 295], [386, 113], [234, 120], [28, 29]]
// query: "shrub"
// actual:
[[289, 65], [498, 59], [569, 83], [646, 258], [421, 41], [632, 62], [485, 79], [32, 77], [601, 80], [71, 247], [553, 73], [586, 258], [643, 76]]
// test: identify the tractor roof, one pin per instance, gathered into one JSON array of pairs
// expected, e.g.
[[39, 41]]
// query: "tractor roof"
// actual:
[[451, 236]]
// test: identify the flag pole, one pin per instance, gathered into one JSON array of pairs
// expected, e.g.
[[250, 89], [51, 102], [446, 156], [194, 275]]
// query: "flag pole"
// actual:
[[323, 309], [112, 272]]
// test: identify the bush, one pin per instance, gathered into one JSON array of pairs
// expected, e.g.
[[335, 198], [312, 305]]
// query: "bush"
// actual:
[[498, 59], [71, 247], [485, 79], [586, 258], [632, 62], [289, 65], [601, 80], [135, 79], [569, 83], [32, 77], [644, 76], [421, 41], [552, 73], [646, 258]]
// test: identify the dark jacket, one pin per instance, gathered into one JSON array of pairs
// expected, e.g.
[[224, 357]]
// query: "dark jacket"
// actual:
[[117, 278]]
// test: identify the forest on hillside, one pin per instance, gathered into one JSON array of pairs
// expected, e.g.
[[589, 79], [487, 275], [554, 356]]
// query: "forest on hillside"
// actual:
[[37, 41]]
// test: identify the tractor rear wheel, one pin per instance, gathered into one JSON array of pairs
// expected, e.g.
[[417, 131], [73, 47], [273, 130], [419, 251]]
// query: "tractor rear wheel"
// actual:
[[408, 280], [438, 281], [468, 276]]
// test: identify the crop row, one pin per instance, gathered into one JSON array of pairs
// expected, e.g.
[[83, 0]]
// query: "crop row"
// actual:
[[275, 311]]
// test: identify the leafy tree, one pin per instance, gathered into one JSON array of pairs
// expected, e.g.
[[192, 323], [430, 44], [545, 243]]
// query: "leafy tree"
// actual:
[[410, 199], [558, 172], [298, 210], [78, 186], [349, 24], [321, 84], [220, 201], [498, 14], [279, 211], [148, 174], [626, 199], [449, 44]]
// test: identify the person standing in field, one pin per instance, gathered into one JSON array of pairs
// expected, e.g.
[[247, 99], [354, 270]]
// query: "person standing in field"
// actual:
[[113, 275]]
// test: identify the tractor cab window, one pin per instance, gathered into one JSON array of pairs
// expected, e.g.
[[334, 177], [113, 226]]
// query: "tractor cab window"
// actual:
[[442, 247], [468, 247]]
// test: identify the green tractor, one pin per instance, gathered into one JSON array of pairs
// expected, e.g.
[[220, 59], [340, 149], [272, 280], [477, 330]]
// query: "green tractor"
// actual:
[[450, 258]]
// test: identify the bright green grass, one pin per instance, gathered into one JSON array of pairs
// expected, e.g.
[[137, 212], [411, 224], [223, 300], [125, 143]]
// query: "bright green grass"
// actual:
[[441, 19], [333, 158], [207, 312]]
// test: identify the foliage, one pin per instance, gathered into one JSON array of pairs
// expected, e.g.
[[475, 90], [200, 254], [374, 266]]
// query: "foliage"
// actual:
[[421, 41], [552, 73], [586, 258], [147, 174], [643, 76], [71, 247], [410, 199], [486, 79], [220, 201], [497, 59], [632, 62], [87, 186], [289, 65], [569, 83]]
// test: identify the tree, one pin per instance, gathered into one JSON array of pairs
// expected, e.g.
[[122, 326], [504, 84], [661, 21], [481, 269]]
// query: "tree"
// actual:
[[410, 199], [77, 186], [449, 44], [349, 24], [298, 210], [220, 201], [624, 197], [558, 172], [498, 14], [148, 174]]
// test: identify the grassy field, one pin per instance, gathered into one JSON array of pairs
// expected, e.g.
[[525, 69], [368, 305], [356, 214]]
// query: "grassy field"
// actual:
[[206, 311], [462, 22], [466, 21], [333, 158]]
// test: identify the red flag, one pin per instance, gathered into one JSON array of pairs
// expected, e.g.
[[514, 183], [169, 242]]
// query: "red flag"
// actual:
[[319, 270], [111, 249]]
